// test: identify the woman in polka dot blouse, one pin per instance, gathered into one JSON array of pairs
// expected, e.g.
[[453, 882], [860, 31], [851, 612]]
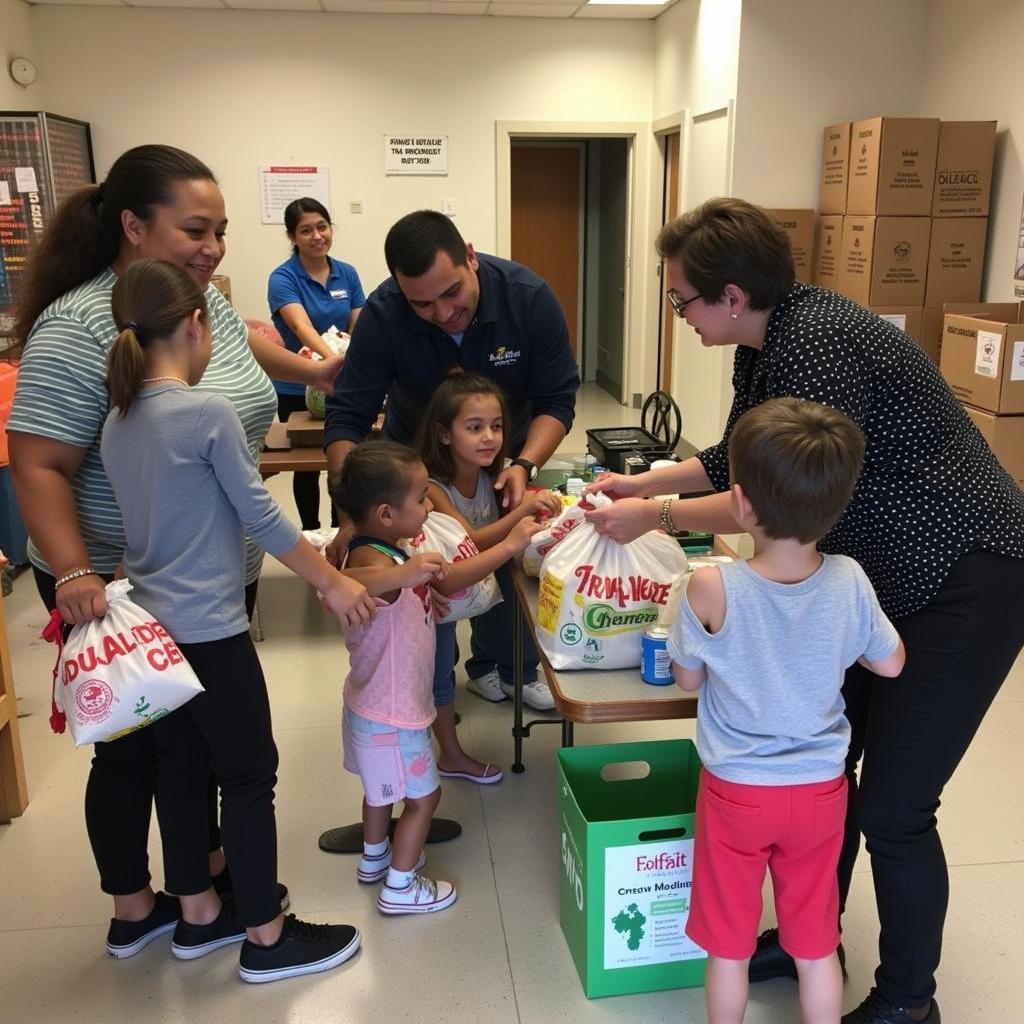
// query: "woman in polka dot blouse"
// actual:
[[935, 521]]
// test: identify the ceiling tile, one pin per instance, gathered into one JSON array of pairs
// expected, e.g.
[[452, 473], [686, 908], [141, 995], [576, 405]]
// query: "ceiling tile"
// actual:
[[635, 12], [458, 7], [531, 9], [379, 6], [273, 5]]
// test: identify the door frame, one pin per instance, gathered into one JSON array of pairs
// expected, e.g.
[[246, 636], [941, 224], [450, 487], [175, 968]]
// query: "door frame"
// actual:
[[632, 131]]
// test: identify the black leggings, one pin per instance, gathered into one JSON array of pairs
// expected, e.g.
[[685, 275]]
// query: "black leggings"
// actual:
[[120, 791], [305, 486], [227, 726], [913, 732]]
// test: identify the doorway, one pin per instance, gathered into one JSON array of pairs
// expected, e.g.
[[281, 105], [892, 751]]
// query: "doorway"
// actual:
[[569, 201]]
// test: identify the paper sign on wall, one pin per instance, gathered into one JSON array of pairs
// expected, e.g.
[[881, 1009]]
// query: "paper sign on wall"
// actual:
[[281, 183], [416, 154], [5, 193], [986, 357]]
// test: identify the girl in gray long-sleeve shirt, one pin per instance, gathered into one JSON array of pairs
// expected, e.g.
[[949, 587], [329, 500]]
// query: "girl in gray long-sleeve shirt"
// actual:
[[189, 492]]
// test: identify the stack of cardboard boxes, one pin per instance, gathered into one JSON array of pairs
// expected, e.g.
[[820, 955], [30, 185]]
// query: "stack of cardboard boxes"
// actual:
[[904, 208]]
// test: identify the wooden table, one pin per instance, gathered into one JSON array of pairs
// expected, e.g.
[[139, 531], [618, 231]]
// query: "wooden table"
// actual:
[[13, 791], [586, 696], [298, 445]]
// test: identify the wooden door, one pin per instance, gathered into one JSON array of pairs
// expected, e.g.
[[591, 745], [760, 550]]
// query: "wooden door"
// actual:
[[671, 209], [546, 221]]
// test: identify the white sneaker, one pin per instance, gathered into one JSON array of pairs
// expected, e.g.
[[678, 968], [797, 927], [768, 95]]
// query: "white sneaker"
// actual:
[[535, 695], [373, 869], [420, 896], [488, 686]]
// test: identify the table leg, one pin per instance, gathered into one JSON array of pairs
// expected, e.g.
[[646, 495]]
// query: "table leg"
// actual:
[[517, 685], [567, 733]]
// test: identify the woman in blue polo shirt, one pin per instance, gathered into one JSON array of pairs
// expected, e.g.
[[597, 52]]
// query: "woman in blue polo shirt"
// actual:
[[308, 294]]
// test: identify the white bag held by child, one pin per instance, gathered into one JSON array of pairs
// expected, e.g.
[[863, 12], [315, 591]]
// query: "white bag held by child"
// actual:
[[541, 543], [116, 674], [597, 596], [448, 536]]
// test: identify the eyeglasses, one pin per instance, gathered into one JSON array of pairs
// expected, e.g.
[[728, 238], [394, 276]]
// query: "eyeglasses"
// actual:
[[679, 305]]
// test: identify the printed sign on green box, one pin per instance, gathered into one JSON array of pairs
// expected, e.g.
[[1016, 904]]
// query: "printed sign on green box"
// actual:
[[626, 816]]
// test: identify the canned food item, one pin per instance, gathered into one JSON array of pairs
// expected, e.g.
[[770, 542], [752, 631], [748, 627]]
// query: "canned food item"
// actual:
[[655, 664]]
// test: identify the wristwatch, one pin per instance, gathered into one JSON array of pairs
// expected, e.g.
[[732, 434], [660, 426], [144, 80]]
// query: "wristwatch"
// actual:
[[531, 469]]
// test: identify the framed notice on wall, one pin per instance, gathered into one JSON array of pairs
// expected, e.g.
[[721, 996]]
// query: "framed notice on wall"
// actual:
[[416, 154], [281, 183]]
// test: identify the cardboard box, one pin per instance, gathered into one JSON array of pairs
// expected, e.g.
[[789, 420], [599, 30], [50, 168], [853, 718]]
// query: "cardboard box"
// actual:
[[906, 318], [963, 169], [799, 226], [892, 166], [956, 258], [828, 243], [983, 362], [1005, 436], [884, 260], [223, 284], [627, 861], [835, 169], [932, 318]]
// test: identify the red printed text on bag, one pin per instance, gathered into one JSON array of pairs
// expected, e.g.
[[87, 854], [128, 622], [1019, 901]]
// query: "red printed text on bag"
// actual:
[[160, 650], [622, 591]]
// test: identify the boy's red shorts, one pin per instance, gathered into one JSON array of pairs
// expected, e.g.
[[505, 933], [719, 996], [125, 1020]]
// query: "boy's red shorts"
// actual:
[[794, 831]]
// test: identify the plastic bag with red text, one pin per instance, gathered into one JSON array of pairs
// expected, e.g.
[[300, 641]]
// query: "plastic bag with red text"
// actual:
[[116, 674], [598, 596]]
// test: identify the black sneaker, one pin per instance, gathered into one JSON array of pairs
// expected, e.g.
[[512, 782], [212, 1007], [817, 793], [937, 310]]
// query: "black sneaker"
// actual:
[[875, 1010], [770, 960], [223, 885], [126, 938], [195, 940], [302, 949]]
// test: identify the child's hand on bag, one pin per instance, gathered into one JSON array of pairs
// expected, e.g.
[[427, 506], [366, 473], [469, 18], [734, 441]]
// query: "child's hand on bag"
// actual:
[[82, 600], [427, 567], [544, 504], [520, 534], [349, 600]]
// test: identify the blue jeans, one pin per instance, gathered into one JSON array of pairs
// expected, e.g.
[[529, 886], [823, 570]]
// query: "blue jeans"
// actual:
[[490, 644]]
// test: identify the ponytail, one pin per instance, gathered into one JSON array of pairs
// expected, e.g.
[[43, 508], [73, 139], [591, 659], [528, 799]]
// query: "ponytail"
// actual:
[[126, 366], [85, 235], [149, 302]]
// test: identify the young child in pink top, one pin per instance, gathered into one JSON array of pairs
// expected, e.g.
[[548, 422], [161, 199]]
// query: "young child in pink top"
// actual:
[[388, 692], [389, 703]]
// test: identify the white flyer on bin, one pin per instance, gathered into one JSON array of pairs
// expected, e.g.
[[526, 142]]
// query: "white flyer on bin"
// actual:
[[647, 903], [986, 357], [1017, 369]]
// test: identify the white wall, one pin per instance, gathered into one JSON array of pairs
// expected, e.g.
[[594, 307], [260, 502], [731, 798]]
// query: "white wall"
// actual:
[[17, 40], [241, 88], [973, 73], [696, 56], [805, 64]]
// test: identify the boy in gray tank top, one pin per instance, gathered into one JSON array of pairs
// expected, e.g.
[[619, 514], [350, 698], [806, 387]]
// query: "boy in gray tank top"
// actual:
[[770, 640]]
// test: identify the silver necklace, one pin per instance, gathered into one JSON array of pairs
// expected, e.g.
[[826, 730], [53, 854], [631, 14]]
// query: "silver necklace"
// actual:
[[154, 380]]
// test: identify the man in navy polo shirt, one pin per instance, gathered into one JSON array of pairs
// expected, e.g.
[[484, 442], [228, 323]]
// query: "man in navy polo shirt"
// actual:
[[444, 304]]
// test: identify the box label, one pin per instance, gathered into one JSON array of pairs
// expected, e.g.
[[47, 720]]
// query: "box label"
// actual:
[[1017, 369], [986, 358], [896, 319], [647, 903]]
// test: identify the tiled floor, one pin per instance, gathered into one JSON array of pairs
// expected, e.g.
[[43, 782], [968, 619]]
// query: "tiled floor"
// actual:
[[498, 956]]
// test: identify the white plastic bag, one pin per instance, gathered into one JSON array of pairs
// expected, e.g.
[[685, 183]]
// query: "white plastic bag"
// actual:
[[116, 674], [338, 342], [597, 596], [446, 535], [543, 541]]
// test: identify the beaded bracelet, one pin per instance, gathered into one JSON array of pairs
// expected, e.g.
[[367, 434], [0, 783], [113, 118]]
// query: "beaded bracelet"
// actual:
[[76, 575]]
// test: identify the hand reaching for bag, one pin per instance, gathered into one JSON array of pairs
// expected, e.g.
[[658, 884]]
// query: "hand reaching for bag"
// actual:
[[520, 534], [542, 504], [427, 567]]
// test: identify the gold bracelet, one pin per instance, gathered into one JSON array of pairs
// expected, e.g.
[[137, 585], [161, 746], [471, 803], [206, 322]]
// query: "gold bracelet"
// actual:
[[665, 519]]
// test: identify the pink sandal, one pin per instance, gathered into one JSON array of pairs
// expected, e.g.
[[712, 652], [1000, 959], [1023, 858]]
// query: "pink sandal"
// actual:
[[487, 779]]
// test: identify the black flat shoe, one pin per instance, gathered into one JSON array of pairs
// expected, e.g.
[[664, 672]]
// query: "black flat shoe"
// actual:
[[875, 1010], [770, 960]]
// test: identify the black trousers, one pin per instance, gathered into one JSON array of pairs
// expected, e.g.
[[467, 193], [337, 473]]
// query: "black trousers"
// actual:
[[227, 726], [912, 732], [120, 792], [305, 486]]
